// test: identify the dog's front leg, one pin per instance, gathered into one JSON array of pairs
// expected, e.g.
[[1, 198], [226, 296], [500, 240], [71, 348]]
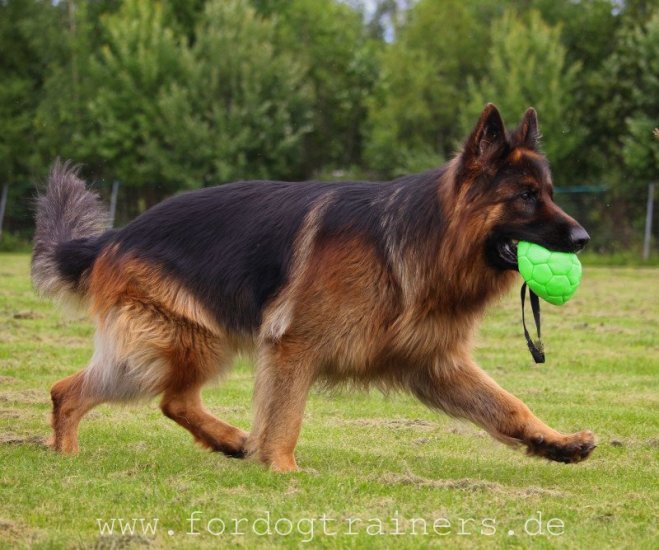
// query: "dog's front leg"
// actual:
[[283, 378], [461, 388]]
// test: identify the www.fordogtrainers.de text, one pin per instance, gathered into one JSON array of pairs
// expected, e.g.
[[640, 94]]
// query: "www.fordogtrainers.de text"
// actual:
[[306, 529]]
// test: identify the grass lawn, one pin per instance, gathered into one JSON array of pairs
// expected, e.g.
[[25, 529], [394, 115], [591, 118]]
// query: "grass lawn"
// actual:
[[373, 465]]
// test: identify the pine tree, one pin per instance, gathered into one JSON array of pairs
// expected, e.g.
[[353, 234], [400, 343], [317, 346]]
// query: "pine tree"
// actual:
[[527, 67], [242, 109], [140, 58], [413, 115], [640, 147]]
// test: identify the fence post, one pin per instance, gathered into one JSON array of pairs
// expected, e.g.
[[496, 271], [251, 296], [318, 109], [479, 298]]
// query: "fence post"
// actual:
[[3, 205], [113, 201], [648, 222]]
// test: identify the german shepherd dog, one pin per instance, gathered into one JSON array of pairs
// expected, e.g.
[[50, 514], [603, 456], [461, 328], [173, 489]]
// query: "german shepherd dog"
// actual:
[[375, 284]]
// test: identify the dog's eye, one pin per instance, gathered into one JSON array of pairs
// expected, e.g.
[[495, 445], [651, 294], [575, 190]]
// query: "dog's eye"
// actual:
[[528, 195]]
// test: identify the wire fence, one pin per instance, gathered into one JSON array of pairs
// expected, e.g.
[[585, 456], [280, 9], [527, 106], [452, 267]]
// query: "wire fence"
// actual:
[[614, 226]]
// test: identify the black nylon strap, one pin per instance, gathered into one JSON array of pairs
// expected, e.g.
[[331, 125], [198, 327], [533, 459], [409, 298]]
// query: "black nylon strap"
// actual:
[[536, 348]]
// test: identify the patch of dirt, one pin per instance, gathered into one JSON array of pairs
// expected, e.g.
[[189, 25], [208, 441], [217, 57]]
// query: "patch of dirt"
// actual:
[[237, 490], [7, 379], [293, 488], [532, 491], [393, 423], [11, 413], [464, 429], [29, 397], [29, 314], [63, 341], [13, 439], [9, 530], [119, 542], [17, 535], [223, 409], [6, 525], [465, 484]]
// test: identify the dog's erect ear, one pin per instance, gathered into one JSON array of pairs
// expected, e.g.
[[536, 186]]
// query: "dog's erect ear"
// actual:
[[528, 135], [487, 137]]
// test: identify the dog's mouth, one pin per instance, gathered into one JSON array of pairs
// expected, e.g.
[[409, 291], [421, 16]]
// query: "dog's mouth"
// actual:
[[507, 252]]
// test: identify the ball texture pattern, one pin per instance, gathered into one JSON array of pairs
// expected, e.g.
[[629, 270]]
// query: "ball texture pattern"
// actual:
[[554, 276]]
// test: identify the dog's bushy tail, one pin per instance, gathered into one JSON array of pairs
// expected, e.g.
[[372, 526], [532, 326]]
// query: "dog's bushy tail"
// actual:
[[69, 217]]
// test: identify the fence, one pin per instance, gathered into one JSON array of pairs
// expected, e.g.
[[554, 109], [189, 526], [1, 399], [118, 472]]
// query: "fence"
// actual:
[[613, 225]]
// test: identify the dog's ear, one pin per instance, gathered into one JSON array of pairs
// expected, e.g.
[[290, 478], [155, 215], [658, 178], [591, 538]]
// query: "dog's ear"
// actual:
[[528, 134], [487, 138]]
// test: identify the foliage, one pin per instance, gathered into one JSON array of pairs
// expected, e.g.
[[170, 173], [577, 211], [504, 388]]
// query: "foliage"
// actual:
[[173, 95], [412, 114], [640, 145], [340, 67], [139, 60], [241, 109], [527, 67], [29, 32], [28, 41]]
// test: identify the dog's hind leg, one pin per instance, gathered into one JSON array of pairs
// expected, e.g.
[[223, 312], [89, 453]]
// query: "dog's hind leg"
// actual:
[[70, 403], [462, 389], [195, 356], [184, 406], [75, 395], [283, 378]]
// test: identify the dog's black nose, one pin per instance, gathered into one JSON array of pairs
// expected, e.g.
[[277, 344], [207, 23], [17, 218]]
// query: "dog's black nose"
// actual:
[[579, 238]]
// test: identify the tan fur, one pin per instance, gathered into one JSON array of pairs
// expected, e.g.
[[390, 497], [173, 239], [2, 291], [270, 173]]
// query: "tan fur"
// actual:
[[69, 406], [403, 318], [152, 338], [279, 314], [519, 152], [183, 405], [114, 280]]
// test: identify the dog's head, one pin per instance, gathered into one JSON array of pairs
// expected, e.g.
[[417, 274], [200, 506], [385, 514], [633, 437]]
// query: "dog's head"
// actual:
[[506, 177]]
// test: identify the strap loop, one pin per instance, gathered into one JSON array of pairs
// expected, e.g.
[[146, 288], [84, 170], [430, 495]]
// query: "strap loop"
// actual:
[[536, 348]]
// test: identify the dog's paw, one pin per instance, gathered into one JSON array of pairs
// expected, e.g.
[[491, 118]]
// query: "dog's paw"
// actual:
[[238, 445], [231, 444], [569, 449]]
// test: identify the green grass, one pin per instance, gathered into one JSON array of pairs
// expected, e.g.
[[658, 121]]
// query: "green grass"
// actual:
[[363, 455], [632, 257]]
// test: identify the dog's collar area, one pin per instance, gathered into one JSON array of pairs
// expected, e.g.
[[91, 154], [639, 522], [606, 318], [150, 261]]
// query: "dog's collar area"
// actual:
[[535, 347]]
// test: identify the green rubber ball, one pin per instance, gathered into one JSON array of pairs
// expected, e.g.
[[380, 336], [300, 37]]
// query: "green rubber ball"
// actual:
[[554, 276]]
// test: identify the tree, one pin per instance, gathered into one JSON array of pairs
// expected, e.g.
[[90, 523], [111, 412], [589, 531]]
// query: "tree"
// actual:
[[527, 67], [413, 115], [242, 108], [61, 116], [330, 41], [640, 148], [29, 42], [140, 57], [628, 113]]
